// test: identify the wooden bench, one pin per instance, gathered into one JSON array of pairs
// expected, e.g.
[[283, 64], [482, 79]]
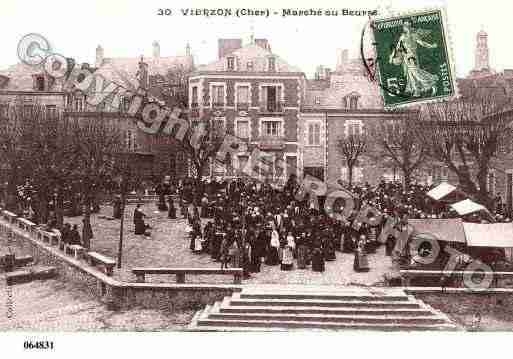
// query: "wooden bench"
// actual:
[[97, 258], [458, 276], [181, 272], [49, 237], [26, 225], [75, 249]]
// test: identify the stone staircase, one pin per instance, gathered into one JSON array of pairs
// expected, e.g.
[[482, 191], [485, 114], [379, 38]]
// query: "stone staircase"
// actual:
[[319, 308]]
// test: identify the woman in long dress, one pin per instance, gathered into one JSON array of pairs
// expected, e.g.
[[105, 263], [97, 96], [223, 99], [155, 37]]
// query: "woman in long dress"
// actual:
[[272, 253], [318, 260], [287, 258], [405, 54], [302, 251]]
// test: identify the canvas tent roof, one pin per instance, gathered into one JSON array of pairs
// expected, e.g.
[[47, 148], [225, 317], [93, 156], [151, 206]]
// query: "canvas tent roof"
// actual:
[[467, 206], [449, 230], [489, 235], [440, 191]]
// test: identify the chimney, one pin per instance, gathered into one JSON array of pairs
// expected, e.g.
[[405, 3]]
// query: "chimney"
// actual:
[[188, 50], [99, 56], [227, 46], [263, 43], [342, 59], [156, 49]]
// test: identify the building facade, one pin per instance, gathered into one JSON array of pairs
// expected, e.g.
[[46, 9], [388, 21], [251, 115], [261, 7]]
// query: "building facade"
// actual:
[[252, 93]]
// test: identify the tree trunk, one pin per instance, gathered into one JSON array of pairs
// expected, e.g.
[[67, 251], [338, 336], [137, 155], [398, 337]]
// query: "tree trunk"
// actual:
[[406, 179], [121, 226], [87, 230], [59, 207]]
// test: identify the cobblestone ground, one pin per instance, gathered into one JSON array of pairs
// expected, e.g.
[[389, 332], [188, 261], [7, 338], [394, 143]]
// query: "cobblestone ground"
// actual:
[[52, 305], [168, 246]]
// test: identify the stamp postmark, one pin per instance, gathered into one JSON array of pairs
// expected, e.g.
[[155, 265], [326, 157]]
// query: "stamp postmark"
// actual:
[[413, 58]]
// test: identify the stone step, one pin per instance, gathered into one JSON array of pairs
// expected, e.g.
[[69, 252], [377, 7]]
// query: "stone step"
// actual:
[[241, 325], [327, 311], [323, 296], [332, 318], [29, 274], [324, 303]]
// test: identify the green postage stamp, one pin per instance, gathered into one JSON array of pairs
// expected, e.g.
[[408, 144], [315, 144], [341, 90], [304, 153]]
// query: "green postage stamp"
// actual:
[[414, 58]]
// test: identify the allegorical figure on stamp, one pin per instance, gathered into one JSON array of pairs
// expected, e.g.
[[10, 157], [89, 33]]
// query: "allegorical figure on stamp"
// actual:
[[404, 53]]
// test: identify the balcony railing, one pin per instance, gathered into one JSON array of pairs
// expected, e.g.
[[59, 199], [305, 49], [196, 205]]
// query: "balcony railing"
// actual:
[[218, 104], [242, 106], [271, 107]]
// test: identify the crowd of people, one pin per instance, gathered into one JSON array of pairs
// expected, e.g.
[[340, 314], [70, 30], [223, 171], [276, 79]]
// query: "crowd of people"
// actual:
[[253, 223]]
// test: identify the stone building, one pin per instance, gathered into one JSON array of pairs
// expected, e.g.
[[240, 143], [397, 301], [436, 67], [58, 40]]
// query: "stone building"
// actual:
[[253, 93], [151, 155]]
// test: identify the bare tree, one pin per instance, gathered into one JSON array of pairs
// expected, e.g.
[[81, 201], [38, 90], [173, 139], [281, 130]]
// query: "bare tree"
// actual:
[[351, 147], [465, 135], [96, 142], [397, 143]]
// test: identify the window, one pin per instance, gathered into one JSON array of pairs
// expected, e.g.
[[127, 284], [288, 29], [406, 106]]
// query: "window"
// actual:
[[242, 129], [194, 100], [314, 134], [243, 160], [344, 102], [125, 104], [4, 110], [218, 95], [28, 110], [131, 140], [272, 64], [51, 111], [39, 84], [317, 100], [231, 63], [78, 104], [353, 129], [218, 127], [271, 128], [353, 102], [243, 95], [249, 66]]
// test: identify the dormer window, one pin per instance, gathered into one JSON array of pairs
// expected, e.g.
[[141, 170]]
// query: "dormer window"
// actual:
[[230, 63], [353, 102], [4, 80], [39, 82], [249, 65], [271, 64]]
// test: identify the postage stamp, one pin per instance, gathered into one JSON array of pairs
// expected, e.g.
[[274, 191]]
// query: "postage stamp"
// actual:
[[413, 58]]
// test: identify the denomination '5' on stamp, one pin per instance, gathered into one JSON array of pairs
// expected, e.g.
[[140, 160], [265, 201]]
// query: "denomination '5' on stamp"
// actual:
[[413, 58]]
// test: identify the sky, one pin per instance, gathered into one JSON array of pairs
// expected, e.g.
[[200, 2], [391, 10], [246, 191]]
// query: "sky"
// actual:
[[128, 28]]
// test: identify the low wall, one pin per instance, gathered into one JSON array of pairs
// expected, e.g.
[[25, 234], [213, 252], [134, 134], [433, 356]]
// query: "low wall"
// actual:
[[116, 294]]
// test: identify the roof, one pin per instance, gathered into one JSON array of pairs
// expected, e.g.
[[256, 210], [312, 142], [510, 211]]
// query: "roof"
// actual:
[[467, 206], [489, 235], [440, 191], [123, 71], [251, 52], [448, 230], [19, 78]]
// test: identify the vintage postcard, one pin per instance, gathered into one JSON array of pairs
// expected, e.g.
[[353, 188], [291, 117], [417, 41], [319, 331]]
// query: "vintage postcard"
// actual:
[[193, 167]]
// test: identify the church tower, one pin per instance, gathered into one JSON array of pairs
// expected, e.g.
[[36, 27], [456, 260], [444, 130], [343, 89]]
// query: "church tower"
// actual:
[[482, 61]]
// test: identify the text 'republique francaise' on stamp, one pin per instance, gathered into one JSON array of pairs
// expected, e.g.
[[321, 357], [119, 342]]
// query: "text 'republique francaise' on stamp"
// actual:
[[413, 58]]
